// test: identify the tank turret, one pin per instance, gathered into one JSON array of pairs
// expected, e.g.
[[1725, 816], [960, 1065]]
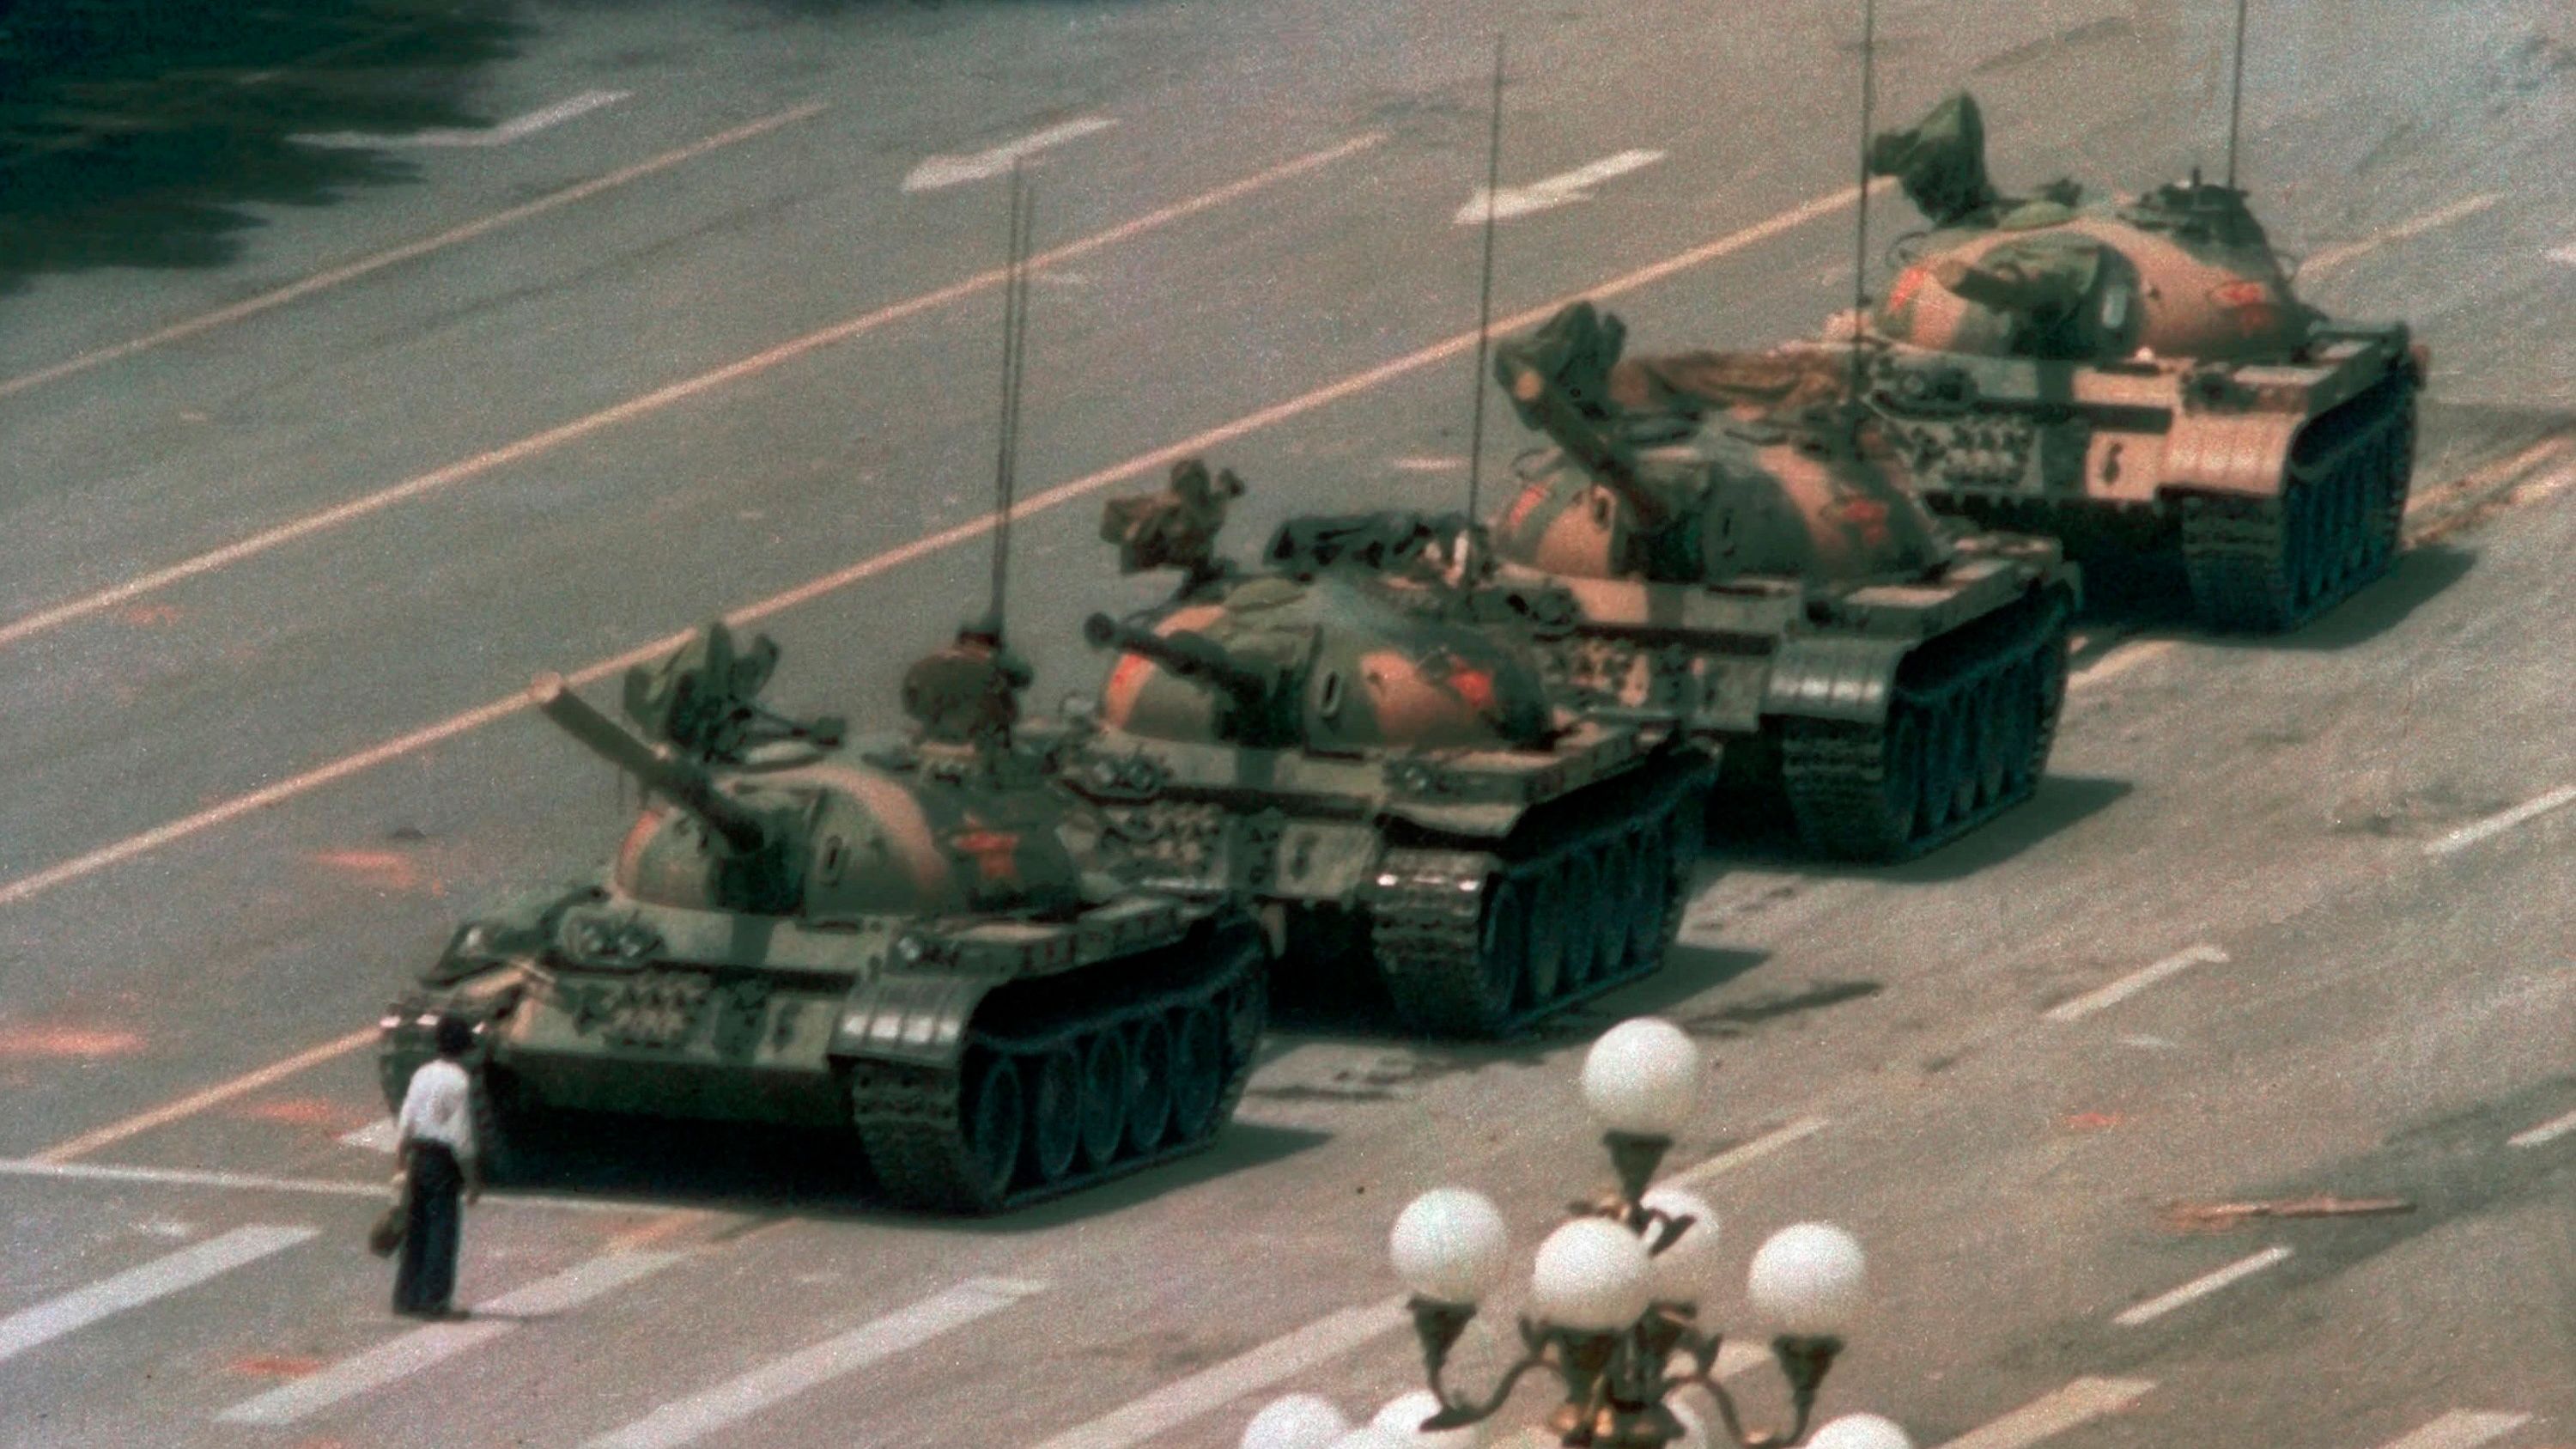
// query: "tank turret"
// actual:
[[1741, 559], [1350, 736], [926, 942], [2138, 376]]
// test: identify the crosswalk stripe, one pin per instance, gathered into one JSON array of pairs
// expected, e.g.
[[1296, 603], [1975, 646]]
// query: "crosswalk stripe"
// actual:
[[2462, 1431], [140, 1285], [1209, 1389], [400, 1358], [2080, 1402], [685, 1420]]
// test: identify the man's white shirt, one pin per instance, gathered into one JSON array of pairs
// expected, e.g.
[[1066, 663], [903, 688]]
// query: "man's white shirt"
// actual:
[[436, 1108]]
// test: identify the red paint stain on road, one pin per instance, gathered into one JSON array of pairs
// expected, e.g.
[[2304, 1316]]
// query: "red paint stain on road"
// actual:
[[34, 1039], [276, 1365], [304, 1112], [2092, 1121], [145, 616], [384, 870]]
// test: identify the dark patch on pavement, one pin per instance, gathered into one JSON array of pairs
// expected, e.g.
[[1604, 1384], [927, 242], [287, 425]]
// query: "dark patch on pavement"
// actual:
[[1740, 1019], [2057, 804], [139, 136]]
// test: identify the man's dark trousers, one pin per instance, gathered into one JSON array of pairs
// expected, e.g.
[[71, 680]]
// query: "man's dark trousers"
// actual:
[[425, 1280]]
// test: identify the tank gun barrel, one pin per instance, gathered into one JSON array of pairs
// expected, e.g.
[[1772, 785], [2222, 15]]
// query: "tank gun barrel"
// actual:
[[1543, 403], [682, 781], [1190, 656]]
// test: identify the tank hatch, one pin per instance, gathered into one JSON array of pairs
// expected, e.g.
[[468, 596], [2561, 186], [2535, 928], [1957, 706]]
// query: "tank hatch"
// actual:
[[1326, 664]]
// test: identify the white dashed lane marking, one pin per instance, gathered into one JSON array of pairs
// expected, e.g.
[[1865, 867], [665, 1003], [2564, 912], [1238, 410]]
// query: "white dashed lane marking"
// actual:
[[137, 1286], [2201, 1287], [2135, 982], [943, 171], [2461, 1431], [2468, 835], [2077, 1404], [399, 1358], [1554, 191], [517, 128], [685, 1421], [2549, 1131]]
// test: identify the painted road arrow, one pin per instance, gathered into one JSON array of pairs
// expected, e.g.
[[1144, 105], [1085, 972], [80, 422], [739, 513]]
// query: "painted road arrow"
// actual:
[[501, 135], [1574, 185], [941, 171]]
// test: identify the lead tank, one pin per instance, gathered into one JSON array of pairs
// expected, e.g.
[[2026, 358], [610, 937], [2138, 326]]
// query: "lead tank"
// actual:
[[927, 944], [1370, 759], [2139, 377], [1740, 560]]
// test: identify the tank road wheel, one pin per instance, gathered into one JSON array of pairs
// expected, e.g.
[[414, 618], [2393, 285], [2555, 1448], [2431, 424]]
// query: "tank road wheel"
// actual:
[[1984, 704], [1543, 963], [1055, 1113], [1198, 1072], [995, 1120], [502, 1123], [1943, 777], [2019, 707], [1620, 950], [1104, 1097], [1584, 922], [1149, 1084], [1502, 950], [1651, 861]]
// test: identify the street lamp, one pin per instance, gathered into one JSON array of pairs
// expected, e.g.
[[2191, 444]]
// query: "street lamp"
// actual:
[[1613, 1296]]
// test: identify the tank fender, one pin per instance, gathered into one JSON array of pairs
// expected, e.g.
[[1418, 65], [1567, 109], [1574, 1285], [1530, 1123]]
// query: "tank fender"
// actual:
[[1834, 679], [915, 1020], [2216, 452]]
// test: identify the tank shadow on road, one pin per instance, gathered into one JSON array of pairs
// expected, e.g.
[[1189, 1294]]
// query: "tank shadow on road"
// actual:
[[2451, 1170], [2144, 598], [2059, 802], [144, 136], [819, 1176]]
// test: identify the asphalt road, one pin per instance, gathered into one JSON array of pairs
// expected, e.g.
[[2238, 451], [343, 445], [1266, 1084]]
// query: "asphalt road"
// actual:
[[729, 371]]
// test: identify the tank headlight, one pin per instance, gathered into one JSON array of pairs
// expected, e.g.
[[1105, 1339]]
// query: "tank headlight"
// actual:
[[1104, 772], [910, 950]]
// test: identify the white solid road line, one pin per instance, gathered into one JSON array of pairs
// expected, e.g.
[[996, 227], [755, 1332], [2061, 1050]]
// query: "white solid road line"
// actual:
[[2135, 982], [2078, 1403], [1735, 1157], [140, 1285], [468, 231], [943, 171], [1210, 1389], [647, 404], [2201, 1287], [311, 1186], [517, 128], [28, 886], [400, 1358], [2461, 1431], [199, 1101], [2333, 257], [376, 1136], [2468, 835], [2549, 1131], [686, 1420], [1557, 190]]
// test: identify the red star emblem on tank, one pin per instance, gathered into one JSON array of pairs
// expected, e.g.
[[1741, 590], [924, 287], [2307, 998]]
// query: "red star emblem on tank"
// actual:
[[1474, 685], [1523, 506], [996, 852], [1866, 517], [1908, 282]]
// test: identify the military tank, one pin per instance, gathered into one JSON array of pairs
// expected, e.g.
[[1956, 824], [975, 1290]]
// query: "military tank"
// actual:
[[2138, 377], [1746, 566], [926, 943], [1356, 747]]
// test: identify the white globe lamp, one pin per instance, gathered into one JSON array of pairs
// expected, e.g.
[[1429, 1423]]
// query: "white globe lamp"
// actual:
[[1297, 1421], [1809, 1280], [1687, 1265], [1449, 1245], [1592, 1276], [1860, 1431], [1641, 1079]]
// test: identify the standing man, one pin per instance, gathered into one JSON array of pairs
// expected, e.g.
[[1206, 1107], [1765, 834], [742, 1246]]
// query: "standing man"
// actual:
[[434, 1140]]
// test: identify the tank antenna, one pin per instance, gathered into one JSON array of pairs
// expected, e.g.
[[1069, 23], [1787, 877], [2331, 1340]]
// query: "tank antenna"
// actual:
[[1015, 308], [2236, 100], [1485, 291], [1860, 201]]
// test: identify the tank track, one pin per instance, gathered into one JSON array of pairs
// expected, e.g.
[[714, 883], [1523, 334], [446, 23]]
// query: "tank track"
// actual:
[[2011, 669], [909, 1118], [1429, 910], [2266, 564]]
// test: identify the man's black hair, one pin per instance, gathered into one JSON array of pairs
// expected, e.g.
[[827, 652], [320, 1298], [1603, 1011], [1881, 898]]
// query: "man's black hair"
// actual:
[[455, 1035]]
